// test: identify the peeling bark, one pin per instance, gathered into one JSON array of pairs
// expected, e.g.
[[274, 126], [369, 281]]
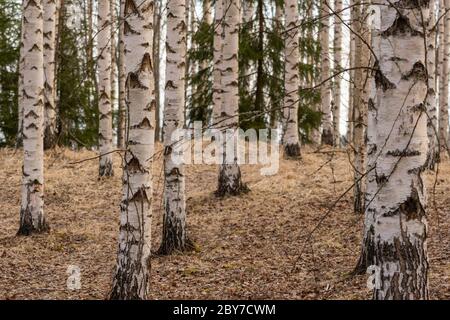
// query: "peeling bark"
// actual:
[[32, 219], [131, 279], [444, 74]]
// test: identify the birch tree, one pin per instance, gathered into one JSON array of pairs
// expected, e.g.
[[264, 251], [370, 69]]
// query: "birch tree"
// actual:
[[337, 46], [432, 123], [397, 206], [174, 220], [131, 278], [122, 88], [50, 18], [291, 142], [217, 61], [325, 92], [443, 94], [104, 88], [229, 181], [32, 219]]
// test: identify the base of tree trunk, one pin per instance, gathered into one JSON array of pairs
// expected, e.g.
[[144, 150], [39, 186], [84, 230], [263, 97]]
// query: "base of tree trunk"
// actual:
[[27, 228], [106, 170], [49, 138], [367, 255], [230, 184], [327, 137], [292, 150], [170, 246]]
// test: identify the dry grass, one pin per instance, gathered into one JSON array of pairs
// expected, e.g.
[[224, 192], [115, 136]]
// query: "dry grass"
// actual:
[[246, 246]]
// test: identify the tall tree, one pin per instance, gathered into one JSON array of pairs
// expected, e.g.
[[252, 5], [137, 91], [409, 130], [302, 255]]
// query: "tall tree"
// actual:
[[397, 204], [291, 142], [325, 92], [337, 46], [121, 117], [104, 89], [444, 74], [50, 19], [32, 219], [131, 279], [432, 123], [174, 221], [230, 181], [217, 61]]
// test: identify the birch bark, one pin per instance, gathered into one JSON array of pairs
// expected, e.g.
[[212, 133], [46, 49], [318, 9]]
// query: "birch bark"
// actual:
[[104, 89], [131, 279], [337, 46], [398, 204], [32, 219], [174, 236], [291, 142]]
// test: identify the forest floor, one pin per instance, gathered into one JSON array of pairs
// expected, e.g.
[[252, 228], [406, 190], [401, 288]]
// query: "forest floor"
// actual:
[[247, 247]]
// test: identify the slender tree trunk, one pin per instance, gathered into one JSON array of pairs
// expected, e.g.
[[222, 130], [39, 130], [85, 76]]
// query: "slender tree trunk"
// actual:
[[291, 141], [32, 219], [20, 89], [217, 62], [122, 115], [361, 61], [352, 38], [113, 54], [104, 89], [156, 57], [398, 206], [337, 68], [432, 124], [325, 92], [443, 94], [174, 236], [230, 182], [50, 14], [278, 29], [131, 280]]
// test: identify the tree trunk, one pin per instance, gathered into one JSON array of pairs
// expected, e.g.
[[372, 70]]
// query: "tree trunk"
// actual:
[[337, 68], [361, 60], [229, 182], [443, 92], [104, 89], [217, 62], [32, 219], [113, 55], [351, 58], [325, 92], [432, 124], [397, 206], [50, 10], [291, 142], [174, 236], [156, 57], [20, 89], [131, 279], [122, 112]]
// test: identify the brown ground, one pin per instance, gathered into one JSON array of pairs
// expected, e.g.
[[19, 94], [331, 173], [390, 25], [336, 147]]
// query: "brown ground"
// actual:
[[246, 246]]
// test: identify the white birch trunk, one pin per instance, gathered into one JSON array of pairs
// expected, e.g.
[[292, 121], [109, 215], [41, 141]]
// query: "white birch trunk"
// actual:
[[398, 204], [50, 19], [443, 94], [32, 219], [131, 279], [291, 142], [122, 91], [432, 123], [174, 221], [104, 89], [217, 62], [337, 46], [229, 181], [325, 92]]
